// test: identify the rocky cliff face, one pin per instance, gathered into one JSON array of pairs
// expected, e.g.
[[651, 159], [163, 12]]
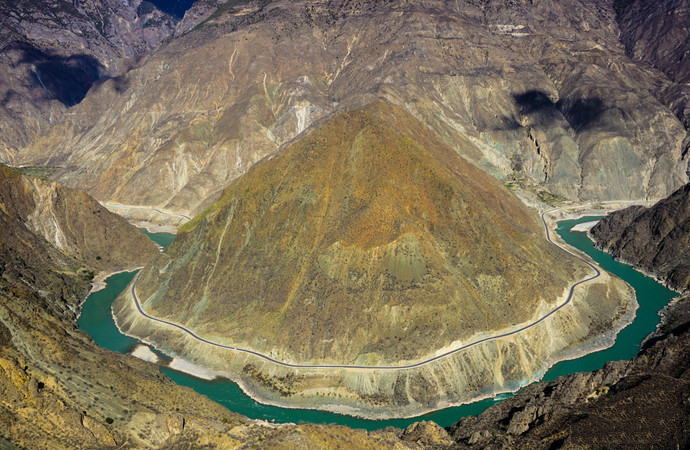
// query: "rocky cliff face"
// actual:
[[370, 242], [60, 390], [655, 32], [646, 400], [52, 52], [643, 401], [656, 239], [70, 222], [543, 92]]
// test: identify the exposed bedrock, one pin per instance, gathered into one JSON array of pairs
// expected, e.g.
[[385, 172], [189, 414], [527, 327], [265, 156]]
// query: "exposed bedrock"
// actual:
[[544, 92], [655, 239]]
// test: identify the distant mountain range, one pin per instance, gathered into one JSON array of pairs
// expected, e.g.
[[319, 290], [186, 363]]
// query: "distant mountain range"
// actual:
[[572, 98]]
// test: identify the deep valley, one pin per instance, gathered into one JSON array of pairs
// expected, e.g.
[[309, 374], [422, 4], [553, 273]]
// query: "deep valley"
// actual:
[[370, 202]]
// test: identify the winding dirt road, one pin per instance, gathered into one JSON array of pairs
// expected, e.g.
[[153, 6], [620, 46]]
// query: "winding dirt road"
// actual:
[[568, 300]]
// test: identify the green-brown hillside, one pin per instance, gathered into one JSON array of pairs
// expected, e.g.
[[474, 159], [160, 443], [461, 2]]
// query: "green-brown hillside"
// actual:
[[59, 390], [67, 224], [368, 240]]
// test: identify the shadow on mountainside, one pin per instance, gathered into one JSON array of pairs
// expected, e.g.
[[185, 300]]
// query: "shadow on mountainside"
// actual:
[[65, 78], [580, 113], [533, 101]]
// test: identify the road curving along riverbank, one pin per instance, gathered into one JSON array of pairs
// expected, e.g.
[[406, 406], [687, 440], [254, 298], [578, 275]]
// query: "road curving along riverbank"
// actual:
[[219, 389], [585, 319], [568, 300]]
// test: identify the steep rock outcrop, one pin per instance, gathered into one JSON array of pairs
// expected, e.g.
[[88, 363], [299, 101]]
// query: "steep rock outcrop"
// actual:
[[656, 239], [200, 11]]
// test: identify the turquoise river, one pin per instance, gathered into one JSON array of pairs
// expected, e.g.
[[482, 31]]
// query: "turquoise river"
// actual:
[[97, 321]]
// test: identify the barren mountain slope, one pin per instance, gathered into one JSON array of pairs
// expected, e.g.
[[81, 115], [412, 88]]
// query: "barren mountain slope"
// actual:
[[61, 391], [41, 214], [657, 33], [656, 239], [543, 93], [369, 236], [52, 52], [370, 242]]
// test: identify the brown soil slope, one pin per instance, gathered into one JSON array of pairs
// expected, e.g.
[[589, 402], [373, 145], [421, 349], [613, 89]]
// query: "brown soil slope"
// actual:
[[368, 240]]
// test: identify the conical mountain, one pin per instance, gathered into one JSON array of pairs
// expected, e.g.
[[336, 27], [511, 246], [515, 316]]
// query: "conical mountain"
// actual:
[[367, 241]]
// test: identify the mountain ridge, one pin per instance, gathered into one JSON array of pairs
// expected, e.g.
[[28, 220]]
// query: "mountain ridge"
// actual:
[[62, 391], [369, 242], [537, 103], [370, 206]]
